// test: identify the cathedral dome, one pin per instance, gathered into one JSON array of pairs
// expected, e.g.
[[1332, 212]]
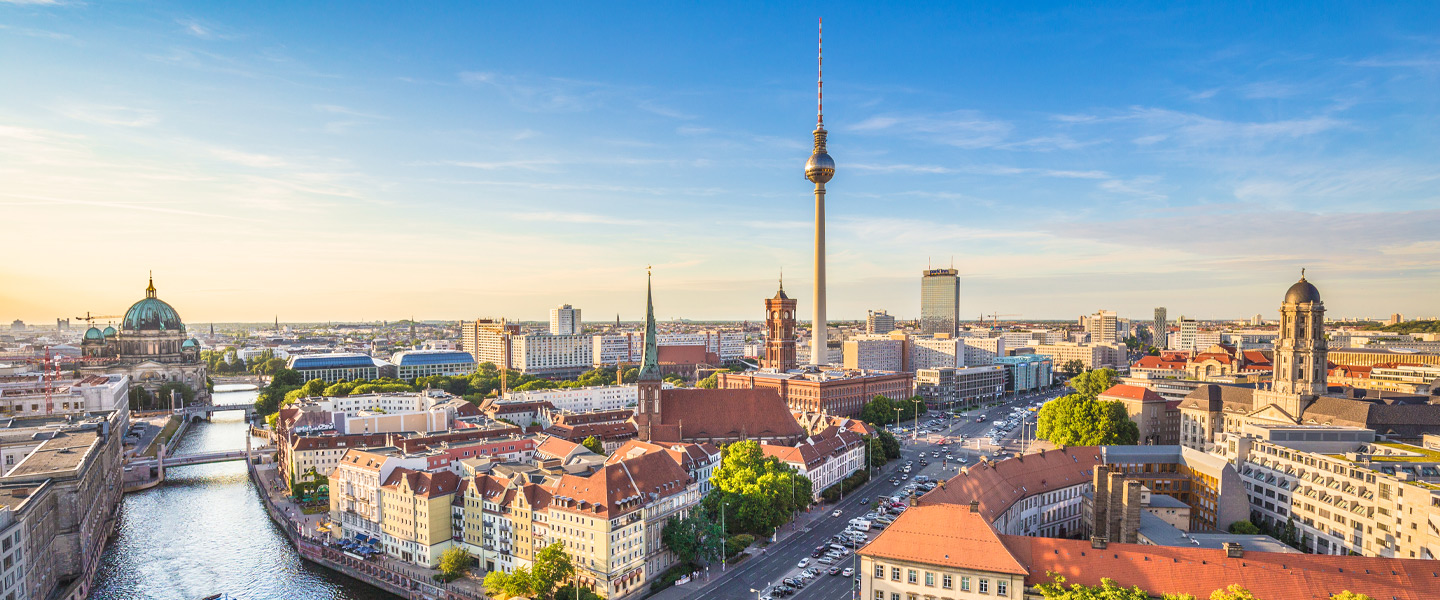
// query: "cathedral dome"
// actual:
[[191, 343], [93, 334], [109, 332], [152, 314], [1302, 292]]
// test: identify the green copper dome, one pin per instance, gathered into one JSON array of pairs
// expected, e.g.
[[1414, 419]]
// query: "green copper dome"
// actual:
[[94, 334], [109, 331], [190, 343], [152, 314]]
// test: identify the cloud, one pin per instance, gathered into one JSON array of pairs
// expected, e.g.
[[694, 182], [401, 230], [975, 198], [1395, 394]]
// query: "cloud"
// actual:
[[664, 111], [541, 94], [341, 110], [101, 114], [39, 33], [1184, 128], [1403, 62], [523, 165], [38, 2], [248, 159], [962, 129], [574, 217]]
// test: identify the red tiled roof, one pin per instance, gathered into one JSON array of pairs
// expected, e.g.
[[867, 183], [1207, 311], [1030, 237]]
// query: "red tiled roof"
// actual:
[[1199, 571], [1132, 392], [724, 414], [945, 534], [1159, 362], [322, 442], [685, 355], [424, 483], [998, 485], [603, 431]]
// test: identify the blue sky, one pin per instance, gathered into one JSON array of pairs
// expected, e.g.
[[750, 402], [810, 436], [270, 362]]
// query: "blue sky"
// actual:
[[454, 160]]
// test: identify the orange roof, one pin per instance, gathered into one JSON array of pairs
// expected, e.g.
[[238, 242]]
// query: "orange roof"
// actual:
[[1132, 392], [945, 534], [1199, 571], [998, 485], [423, 483]]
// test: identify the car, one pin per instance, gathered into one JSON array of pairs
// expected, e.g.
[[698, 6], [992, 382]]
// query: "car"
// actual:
[[834, 570], [825, 560], [804, 562], [816, 553], [865, 500], [847, 572], [836, 513]]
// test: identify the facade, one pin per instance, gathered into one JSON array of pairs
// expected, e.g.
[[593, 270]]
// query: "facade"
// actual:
[[826, 458], [25, 395], [488, 340], [1375, 356], [627, 347], [1189, 328], [876, 352], [586, 399], [983, 351], [412, 364], [1027, 372], [544, 354], [1405, 379], [937, 353], [1091, 356], [879, 321], [839, 393], [1160, 329], [1103, 327], [779, 332], [940, 551], [565, 320], [1157, 418], [940, 302], [151, 347], [415, 515], [966, 386], [335, 366], [355, 507]]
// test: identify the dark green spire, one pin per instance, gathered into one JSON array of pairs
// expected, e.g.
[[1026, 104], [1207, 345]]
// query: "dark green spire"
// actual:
[[650, 362]]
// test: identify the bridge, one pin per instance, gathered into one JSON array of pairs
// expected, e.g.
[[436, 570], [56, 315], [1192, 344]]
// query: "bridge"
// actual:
[[198, 411], [200, 458]]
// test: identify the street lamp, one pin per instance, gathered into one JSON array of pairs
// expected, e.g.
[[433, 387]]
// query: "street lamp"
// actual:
[[724, 534], [915, 430]]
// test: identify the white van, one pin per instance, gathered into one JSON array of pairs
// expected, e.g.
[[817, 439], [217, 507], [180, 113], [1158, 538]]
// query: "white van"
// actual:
[[860, 524]]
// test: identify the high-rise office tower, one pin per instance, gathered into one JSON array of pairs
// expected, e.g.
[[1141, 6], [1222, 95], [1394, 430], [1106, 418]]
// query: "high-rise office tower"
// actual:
[[879, 321], [1161, 330], [940, 302], [1102, 327], [818, 170], [564, 320]]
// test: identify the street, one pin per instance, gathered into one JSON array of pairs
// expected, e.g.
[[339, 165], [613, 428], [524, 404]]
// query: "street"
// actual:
[[780, 560]]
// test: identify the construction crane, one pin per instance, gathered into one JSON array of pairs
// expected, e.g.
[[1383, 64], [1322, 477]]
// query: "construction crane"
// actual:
[[88, 317], [994, 317]]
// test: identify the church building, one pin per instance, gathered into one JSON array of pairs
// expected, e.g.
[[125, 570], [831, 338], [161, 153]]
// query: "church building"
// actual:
[[151, 347]]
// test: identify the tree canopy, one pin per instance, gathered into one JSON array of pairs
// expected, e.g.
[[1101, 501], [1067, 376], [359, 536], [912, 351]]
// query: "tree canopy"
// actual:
[[454, 562], [550, 567], [881, 410], [758, 493], [594, 445], [695, 539], [1091, 384], [1107, 590]]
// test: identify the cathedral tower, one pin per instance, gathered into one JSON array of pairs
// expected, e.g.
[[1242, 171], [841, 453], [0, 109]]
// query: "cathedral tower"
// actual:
[[818, 170], [647, 410], [780, 331], [1301, 365]]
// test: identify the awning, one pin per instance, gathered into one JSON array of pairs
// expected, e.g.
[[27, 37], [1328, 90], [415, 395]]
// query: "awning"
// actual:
[[360, 537]]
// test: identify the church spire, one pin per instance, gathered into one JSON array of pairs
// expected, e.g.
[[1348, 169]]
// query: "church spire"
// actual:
[[150, 289], [650, 362]]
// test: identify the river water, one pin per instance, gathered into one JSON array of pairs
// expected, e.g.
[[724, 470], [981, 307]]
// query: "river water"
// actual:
[[204, 531]]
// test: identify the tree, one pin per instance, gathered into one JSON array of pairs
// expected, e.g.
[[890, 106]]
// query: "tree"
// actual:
[[1072, 367], [1244, 528], [888, 443], [287, 377], [551, 567], [593, 443], [758, 493], [454, 562], [1093, 383], [568, 592], [1235, 591], [1075, 420], [710, 382], [1349, 595], [517, 583], [693, 539], [140, 399], [1107, 590], [878, 411]]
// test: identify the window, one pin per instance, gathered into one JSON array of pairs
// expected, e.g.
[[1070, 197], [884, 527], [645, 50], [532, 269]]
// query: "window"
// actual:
[[946, 581], [879, 595], [984, 585], [929, 579], [964, 583], [895, 573], [894, 595], [912, 576], [1000, 585], [879, 571]]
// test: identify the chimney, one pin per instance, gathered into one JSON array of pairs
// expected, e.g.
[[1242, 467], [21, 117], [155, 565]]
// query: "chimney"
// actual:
[[1100, 505], [1117, 507], [1098, 542], [1233, 550], [1130, 528], [974, 506]]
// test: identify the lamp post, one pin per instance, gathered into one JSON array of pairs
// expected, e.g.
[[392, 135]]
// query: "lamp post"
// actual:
[[914, 431], [724, 533]]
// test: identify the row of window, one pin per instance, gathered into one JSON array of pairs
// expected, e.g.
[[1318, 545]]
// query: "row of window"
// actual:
[[947, 581]]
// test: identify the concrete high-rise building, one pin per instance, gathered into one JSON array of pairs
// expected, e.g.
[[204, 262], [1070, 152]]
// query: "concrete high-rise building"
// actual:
[[879, 321], [1395, 319], [1257, 320], [1102, 327], [940, 302], [1160, 331], [780, 331], [1188, 330], [565, 320], [818, 170]]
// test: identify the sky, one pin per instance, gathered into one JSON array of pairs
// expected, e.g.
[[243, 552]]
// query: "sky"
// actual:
[[367, 161]]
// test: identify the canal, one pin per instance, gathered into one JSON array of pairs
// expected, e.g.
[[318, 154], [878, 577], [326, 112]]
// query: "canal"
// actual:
[[204, 531]]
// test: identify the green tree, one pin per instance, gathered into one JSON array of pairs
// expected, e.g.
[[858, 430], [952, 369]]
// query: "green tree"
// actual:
[[1093, 383], [313, 388], [1244, 528], [1072, 367], [287, 377], [140, 399], [454, 562], [709, 383], [551, 567], [878, 411], [568, 592], [1075, 420], [594, 444], [888, 443], [1234, 591], [515, 584], [694, 539], [1349, 595], [758, 493], [1107, 590]]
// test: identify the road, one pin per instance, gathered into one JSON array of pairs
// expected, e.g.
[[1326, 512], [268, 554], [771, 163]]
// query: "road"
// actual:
[[781, 559]]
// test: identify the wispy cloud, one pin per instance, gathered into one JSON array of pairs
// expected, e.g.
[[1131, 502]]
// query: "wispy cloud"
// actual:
[[963, 129], [498, 165], [248, 159], [540, 94], [101, 114], [37, 33], [573, 217]]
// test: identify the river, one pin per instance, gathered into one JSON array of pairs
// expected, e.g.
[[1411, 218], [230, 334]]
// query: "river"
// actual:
[[204, 531]]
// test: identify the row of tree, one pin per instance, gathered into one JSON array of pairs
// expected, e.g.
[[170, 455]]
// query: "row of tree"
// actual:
[[1109, 590], [880, 410]]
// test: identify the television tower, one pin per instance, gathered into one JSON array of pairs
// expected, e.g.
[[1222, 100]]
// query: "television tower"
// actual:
[[819, 169]]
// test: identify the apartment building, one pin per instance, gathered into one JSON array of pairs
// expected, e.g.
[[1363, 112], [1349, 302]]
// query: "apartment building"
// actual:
[[1102, 326], [937, 353], [1091, 356], [939, 551], [415, 511], [876, 352], [982, 350], [355, 487], [879, 322], [565, 320], [1027, 372], [28, 395], [966, 386], [613, 349], [1158, 419], [826, 458]]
